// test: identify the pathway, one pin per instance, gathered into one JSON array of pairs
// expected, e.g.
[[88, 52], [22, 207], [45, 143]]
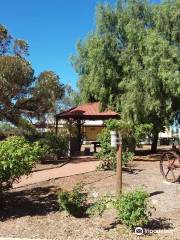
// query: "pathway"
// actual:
[[71, 168]]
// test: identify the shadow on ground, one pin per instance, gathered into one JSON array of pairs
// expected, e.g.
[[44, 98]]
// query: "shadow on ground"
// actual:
[[160, 224], [156, 193], [154, 225], [147, 152], [31, 202], [132, 170]]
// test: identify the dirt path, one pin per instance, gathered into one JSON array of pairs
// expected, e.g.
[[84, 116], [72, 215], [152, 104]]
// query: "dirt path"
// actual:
[[69, 169]]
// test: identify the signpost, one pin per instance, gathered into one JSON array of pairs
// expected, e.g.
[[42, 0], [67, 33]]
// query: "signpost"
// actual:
[[116, 142]]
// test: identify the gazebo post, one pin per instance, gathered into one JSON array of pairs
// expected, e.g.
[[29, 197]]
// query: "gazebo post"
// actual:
[[69, 139], [56, 129], [79, 134]]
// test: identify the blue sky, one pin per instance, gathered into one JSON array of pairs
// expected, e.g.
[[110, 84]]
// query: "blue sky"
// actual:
[[52, 29]]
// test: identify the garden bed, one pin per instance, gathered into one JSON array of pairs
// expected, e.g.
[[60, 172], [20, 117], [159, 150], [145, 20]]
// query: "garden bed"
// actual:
[[32, 212]]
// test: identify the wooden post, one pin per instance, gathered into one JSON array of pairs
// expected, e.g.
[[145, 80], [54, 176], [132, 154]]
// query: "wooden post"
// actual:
[[117, 143], [69, 140], [79, 134], [119, 170], [56, 130]]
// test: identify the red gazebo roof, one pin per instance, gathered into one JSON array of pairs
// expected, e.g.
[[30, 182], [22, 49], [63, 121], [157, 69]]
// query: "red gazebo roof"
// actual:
[[88, 111]]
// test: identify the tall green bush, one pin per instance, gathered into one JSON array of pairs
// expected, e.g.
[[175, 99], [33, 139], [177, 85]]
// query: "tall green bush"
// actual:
[[133, 208], [55, 144], [17, 157], [132, 134], [108, 154]]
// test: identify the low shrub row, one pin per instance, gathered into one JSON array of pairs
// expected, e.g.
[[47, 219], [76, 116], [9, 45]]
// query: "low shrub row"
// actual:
[[133, 208]]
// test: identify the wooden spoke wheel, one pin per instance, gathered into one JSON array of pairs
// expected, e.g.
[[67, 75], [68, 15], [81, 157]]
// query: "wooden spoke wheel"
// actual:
[[170, 166]]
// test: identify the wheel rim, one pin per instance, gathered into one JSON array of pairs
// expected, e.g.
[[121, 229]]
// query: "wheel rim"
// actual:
[[169, 165]]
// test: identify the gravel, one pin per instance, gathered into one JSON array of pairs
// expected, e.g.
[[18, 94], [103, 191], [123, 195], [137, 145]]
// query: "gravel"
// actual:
[[32, 212]]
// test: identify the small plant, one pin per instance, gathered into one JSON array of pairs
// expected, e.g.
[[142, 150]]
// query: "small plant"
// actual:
[[133, 208], [103, 203], [108, 161], [74, 201]]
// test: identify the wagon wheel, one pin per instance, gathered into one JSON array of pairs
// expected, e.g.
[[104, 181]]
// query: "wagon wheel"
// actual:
[[170, 166]]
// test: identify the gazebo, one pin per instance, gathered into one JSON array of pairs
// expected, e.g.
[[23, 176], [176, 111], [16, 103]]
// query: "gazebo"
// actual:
[[89, 111]]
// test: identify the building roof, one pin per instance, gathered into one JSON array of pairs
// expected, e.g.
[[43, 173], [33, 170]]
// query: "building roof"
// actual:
[[43, 125], [89, 111]]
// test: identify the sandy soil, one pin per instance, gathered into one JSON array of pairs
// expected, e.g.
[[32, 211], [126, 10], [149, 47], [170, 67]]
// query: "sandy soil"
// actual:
[[32, 212]]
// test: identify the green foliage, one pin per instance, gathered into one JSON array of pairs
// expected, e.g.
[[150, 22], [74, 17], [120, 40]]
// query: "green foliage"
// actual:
[[131, 135], [103, 202], [112, 124], [127, 129], [108, 161], [46, 92], [74, 201], [133, 57], [21, 47], [55, 144], [142, 131], [69, 100], [122, 127], [166, 20], [127, 157], [23, 95], [133, 208], [108, 154], [8, 44], [16, 76], [17, 157]]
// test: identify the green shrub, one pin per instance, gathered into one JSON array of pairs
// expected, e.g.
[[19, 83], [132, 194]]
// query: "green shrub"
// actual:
[[103, 202], [129, 144], [74, 201], [55, 144], [127, 157], [108, 154], [133, 208], [131, 133], [17, 157]]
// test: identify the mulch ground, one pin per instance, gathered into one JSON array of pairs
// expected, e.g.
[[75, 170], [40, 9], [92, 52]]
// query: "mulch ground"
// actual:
[[32, 211]]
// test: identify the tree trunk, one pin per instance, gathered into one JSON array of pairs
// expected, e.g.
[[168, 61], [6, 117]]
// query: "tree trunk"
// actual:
[[154, 141]]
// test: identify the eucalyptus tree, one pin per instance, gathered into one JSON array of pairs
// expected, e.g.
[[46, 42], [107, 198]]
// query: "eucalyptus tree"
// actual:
[[23, 95]]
